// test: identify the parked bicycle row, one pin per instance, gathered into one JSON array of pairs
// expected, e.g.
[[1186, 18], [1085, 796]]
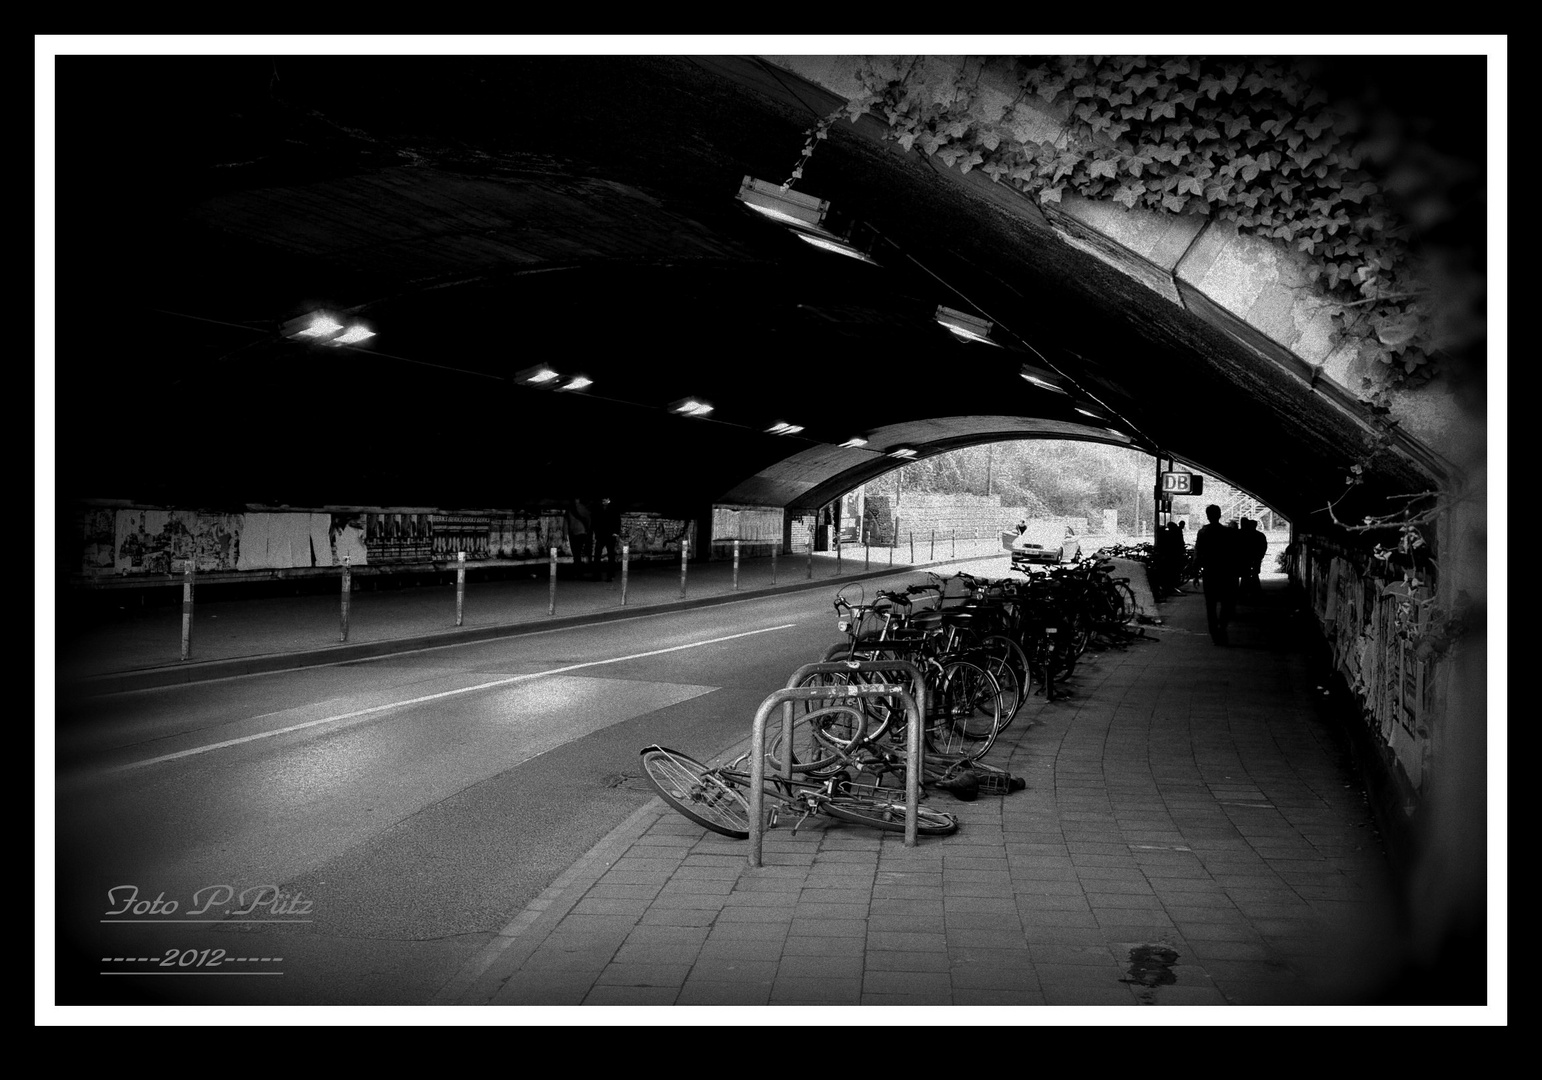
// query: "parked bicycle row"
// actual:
[[962, 655]]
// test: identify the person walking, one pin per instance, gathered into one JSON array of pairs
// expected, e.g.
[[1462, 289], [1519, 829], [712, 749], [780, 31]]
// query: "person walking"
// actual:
[[607, 537], [1217, 557], [579, 537], [1255, 545]]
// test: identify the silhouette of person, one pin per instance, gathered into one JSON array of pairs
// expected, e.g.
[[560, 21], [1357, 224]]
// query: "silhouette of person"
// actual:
[[579, 537], [1217, 557], [607, 537], [1255, 545]]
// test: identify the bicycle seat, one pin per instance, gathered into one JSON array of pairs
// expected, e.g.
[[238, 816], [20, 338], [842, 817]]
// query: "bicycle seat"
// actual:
[[932, 620]]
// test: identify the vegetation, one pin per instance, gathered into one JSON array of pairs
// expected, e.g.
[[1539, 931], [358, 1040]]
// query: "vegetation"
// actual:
[[1054, 478], [1345, 162]]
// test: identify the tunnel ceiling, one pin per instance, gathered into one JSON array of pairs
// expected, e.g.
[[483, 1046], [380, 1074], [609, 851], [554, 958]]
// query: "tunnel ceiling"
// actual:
[[487, 214]]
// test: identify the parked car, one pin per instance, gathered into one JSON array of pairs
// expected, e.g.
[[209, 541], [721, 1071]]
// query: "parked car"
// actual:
[[1044, 545]]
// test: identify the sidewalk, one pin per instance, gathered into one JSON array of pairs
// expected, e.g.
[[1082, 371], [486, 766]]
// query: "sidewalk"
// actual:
[[1188, 836], [1191, 832]]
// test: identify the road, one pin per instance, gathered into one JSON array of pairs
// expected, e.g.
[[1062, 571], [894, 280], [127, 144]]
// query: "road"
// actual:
[[366, 828]]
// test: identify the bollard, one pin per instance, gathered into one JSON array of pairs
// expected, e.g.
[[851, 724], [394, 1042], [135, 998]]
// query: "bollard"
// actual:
[[912, 547], [347, 593], [685, 554], [811, 558], [933, 556], [460, 587], [736, 566], [626, 555], [775, 544], [837, 554], [187, 610], [866, 552], [955, 543], [551, 605]]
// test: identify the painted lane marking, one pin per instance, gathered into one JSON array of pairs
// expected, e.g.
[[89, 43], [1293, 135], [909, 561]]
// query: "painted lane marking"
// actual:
[[437, 697]]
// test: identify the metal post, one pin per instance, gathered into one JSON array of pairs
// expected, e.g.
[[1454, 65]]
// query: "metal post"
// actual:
[[774, 545], [736, 566], [187, 609], [866, 551], [626, 555], [460, 587], [347, 592], [811, 555], [837, 551], [551, 606], [933, 556], [912, 547], [685, 554], [955, 543]]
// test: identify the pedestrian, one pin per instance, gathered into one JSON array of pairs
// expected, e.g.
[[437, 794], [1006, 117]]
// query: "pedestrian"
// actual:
[[1022, 527], [607, 536], [1255, 545], [1217, 557], [579, 537]]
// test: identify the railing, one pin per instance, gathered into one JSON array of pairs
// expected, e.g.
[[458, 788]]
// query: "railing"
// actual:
[[913, 704]]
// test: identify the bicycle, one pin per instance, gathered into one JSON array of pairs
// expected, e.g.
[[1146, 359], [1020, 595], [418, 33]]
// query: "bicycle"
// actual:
[[966, 703], [714, 797]]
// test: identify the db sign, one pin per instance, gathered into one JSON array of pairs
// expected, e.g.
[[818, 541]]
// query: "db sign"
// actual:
[[1182, 483]]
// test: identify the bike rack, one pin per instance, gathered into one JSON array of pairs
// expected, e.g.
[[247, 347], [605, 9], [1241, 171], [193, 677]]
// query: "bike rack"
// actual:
[[914, 705]]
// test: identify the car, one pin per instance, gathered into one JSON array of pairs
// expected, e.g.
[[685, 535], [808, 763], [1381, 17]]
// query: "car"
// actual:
[[1044, 545]]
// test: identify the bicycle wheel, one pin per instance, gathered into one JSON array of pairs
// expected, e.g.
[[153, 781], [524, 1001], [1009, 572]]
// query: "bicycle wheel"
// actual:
[[965, 709], [700, 793], [1009, 663], [822, 739], [1129, 607], [889, 814]]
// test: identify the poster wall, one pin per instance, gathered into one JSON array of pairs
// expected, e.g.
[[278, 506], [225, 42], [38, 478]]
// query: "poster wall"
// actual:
[[122, 541]]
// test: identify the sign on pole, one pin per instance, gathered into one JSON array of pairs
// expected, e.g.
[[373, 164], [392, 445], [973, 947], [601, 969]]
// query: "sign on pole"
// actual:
[[1182, 483]]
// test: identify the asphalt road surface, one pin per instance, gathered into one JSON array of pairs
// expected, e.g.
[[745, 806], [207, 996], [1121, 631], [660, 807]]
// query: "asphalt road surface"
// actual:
[[353, 834]]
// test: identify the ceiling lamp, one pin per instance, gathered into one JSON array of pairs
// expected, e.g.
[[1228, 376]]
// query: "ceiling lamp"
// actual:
[[1041, 378], [577, 382], [351, 336], [783, 204], [691, 407], [540, 375], [320, 328], [781, 428], [1089, 413], [852, 444], [965, 327], [903, 452], [805, 215]]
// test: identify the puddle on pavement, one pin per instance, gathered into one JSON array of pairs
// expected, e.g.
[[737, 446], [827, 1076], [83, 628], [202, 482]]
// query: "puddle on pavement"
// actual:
[[1152, 965]]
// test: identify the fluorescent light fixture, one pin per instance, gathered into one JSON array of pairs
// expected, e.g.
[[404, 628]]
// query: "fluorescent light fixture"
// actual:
[[352, 336], [783, 428], [539, 375], [1041, 378], [784, 205], [852, 444], [1089, 412], [320, 328], [313, 326], [840, 247], [691, 407], [903, 452], [577, 382], [965, 327]]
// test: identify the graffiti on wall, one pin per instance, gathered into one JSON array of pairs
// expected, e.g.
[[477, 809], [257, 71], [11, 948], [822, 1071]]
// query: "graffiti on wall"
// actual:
[[146, 540]]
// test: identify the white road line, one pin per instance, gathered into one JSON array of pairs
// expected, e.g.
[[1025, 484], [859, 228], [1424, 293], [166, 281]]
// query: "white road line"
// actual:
[[436, 697]]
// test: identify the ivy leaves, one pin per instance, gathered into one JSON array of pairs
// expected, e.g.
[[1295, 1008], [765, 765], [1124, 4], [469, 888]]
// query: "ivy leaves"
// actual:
[[1248, 141]]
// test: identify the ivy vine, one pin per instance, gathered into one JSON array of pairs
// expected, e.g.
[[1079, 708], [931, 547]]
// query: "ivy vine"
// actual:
[[1247, 140]]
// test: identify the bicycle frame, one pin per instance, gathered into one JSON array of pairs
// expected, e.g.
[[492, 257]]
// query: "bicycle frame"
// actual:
[[792, 693]]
